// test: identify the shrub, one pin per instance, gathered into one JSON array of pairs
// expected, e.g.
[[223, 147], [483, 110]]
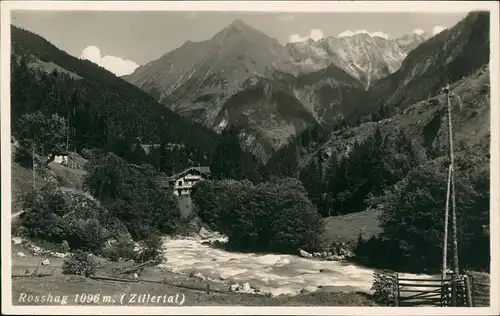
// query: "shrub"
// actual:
[[64, 247], [413, 221], [152, 249], [271, 216], [122, 249], [132, 195], [384, 286], [79, 263], [55, 216]]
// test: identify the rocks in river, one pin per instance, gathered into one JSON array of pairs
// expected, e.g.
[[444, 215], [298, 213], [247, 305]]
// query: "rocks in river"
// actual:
[[163, 267], [242, 288], [200, 276], [304, 254], [234, 287], [58, 254], [308, 289], [205, 233], [245, 287], [335, 258], [36, 250], [213, 243]]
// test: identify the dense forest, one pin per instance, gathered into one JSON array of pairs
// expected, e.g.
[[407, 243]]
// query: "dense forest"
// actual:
[[97, 110]]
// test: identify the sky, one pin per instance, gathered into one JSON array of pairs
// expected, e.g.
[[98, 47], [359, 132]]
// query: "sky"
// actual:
[[121, 41]]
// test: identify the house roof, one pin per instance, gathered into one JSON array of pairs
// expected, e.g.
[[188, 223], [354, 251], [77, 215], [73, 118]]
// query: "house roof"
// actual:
[[205, 170]]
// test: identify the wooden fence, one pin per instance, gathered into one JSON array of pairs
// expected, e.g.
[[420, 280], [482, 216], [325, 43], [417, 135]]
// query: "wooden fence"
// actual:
[[430, 292], [480, 294]]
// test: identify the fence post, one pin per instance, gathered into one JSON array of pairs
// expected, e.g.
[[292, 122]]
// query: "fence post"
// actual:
[[443, 292], [454, 301], [396, 289], [468, 291]]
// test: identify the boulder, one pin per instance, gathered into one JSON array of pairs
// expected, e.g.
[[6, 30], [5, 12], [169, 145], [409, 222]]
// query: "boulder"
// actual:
[[205, 233], [305, 254], [350, 254], [234, 287], [21, 255], [200, 276], [45, 262], [162, 266], [59, 255], [36, 250], [135, 276], [308, 289], [245, 287], [17, 240]]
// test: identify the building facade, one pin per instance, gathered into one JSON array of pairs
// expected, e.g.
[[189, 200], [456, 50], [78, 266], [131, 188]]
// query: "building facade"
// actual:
[[182, 183]]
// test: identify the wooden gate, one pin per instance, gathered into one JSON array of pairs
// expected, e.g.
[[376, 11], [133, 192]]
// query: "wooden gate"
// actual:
[[480, 293], [429, 292]]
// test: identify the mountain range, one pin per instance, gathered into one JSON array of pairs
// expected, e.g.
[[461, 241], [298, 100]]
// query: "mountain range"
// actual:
[[362, 55], [271, 93], [247, 81]]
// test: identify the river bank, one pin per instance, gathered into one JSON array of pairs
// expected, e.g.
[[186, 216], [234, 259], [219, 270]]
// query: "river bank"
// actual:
[[67, 286]]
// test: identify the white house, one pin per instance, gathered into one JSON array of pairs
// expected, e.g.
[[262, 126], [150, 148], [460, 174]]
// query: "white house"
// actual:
[[182, 182]]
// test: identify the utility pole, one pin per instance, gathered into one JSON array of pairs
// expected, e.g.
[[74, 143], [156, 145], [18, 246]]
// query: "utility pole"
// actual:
[[67, 134], [33, 164], [453, 201], [446, 224]]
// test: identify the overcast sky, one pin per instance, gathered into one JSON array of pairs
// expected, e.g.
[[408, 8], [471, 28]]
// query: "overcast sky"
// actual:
[[120, 41]]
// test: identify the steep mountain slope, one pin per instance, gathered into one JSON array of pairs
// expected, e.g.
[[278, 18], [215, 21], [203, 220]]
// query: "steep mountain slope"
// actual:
[[426, 122], [105, 111], [191, 77], [330, 94], [244, 78], [445, 58], [227, 80], [354, 169], [363, 56]]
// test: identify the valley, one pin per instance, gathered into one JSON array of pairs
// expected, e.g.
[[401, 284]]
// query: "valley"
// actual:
[[327, 161]]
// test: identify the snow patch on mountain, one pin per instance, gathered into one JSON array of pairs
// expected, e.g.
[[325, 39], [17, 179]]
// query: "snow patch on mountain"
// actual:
[[349, 33]]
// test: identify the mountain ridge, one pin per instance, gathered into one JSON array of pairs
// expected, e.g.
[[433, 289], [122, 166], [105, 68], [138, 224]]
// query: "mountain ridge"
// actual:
[[359, 78]]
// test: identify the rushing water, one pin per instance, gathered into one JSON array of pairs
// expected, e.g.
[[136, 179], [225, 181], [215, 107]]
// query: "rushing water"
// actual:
[[269, 273]]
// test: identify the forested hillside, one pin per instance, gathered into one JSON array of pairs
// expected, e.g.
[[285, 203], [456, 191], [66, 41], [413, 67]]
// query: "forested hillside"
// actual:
[[53, 89]]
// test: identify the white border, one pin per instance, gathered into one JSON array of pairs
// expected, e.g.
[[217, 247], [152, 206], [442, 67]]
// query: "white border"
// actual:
[[257, 6]]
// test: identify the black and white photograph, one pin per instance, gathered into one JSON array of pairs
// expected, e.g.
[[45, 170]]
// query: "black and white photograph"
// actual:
[[286, 155]]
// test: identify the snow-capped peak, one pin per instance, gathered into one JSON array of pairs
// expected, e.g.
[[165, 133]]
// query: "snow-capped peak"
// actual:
[[349, 33]]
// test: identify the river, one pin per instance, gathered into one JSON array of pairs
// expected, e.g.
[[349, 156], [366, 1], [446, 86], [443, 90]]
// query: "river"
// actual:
[[271, 273]]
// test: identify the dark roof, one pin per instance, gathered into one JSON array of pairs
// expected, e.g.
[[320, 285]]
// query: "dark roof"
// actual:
[[205, 170], [61, 153]]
